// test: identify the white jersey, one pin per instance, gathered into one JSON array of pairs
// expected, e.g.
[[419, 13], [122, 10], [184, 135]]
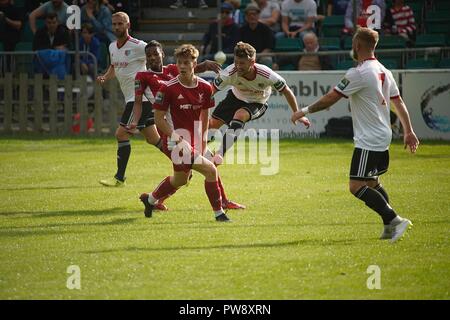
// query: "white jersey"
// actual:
[[370, 87], [257, 90], [127, 61]]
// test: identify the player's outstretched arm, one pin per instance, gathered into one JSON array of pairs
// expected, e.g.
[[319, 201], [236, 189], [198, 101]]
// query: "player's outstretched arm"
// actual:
[[409, 138], [323, 103], [207, 65], [292, 101], [109, 74]]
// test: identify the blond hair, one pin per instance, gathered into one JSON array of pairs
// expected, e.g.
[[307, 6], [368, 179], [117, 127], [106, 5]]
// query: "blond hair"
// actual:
[[186, 51], [244, 50], [367, 37], [123, 15]]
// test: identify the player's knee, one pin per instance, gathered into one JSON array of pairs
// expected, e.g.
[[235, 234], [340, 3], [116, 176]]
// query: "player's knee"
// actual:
[[215, 123], [241, 115], [354, 186], [121, 134], [211, 173]]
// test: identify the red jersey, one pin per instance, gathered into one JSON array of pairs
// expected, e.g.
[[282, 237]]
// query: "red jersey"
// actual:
[[148, 82], [184, 105]]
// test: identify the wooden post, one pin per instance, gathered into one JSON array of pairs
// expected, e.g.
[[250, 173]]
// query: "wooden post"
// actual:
[[8, 85], [23, 99], [53, 92], [38, 102], [83, 105], [98, 107], [68, 104]]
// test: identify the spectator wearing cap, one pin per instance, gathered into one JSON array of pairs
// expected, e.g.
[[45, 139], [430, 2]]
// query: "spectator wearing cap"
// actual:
[[59, 7], [257, 34], [297, 17], [230, 34]]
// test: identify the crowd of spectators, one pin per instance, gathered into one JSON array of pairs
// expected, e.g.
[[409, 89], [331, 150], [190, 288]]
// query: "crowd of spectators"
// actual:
[[44, 26]]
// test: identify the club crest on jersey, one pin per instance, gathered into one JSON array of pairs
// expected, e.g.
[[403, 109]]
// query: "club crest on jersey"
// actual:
[[261, 85], [200, 97], [137, 84], [159, 97], [127, 52], [343, 84]]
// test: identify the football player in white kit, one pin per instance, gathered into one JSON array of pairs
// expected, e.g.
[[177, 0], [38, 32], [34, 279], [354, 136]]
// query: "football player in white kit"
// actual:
[[371, 88], [127, 58]]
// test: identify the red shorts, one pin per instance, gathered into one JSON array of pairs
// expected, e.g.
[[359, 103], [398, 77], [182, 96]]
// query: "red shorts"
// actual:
[[180, 162]]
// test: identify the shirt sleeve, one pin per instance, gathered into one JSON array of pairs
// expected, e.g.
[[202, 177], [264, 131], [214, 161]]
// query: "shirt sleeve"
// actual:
[[162, 99], [223, 79], [277, 81], [139, 84], [350, 84], [312, 10]]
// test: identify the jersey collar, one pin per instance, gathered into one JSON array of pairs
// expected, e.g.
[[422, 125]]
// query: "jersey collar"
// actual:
[[117, 42]]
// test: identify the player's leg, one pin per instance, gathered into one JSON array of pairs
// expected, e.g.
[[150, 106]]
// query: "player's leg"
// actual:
[[165, 189], [123, 149], [364, 164], [227, 203], [235, 126], [209, 171], [245, 112], [146, 126]]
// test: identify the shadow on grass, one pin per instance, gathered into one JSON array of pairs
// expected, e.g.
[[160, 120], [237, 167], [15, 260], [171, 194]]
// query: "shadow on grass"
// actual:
[[49, 188], [312, 242], [8, 230], [13, 232], [66, 213]]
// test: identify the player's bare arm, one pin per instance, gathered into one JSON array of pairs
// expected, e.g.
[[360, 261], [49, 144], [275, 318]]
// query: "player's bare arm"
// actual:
[[409, 138], [109, 74], [137, 112], [292, 101], [207, 65], [323, 103]]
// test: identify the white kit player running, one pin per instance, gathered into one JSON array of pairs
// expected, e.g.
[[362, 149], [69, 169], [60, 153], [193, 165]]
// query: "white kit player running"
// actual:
[[127, 59], [371, 88]]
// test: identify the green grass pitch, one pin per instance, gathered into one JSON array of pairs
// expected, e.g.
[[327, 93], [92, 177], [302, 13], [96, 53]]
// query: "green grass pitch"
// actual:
[[303, 236]]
